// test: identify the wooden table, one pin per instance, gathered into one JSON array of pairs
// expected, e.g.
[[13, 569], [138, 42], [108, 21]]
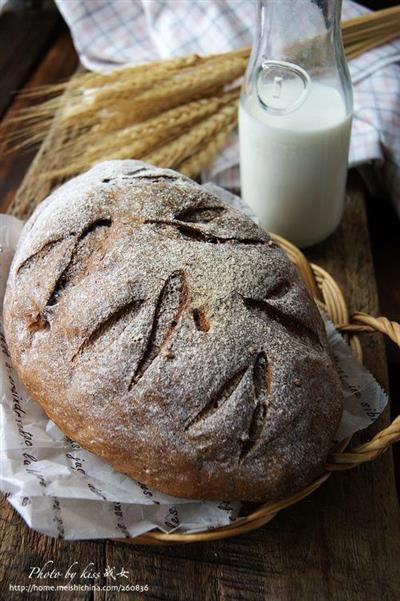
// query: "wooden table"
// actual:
[[343, 543]]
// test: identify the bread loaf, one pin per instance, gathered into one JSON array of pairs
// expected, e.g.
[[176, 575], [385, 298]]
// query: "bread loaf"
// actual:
[[167, 333]]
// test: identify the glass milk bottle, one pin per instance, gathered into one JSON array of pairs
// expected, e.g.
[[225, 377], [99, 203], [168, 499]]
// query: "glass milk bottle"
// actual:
[[295, 119]]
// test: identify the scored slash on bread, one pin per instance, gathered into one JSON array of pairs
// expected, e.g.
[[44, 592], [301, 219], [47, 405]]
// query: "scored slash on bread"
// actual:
[[170, 304]]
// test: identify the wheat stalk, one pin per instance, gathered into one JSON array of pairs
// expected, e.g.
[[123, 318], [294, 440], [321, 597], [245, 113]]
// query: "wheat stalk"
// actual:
[[150, 136], [183, 87], [198, 161], [165, 125], [180, 149]]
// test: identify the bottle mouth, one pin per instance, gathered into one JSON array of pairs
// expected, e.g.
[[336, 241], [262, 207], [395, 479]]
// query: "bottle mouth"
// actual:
[[281, 87]]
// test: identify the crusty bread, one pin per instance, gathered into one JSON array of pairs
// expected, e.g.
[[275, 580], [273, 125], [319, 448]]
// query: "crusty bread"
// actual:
[[167, 333]]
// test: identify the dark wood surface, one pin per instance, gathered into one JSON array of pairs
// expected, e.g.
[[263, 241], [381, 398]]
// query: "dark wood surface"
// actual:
[[384, 229], [24, 39], [343, 543]]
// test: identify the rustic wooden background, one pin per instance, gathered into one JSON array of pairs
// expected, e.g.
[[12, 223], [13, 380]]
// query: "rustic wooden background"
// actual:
[[343, 543]]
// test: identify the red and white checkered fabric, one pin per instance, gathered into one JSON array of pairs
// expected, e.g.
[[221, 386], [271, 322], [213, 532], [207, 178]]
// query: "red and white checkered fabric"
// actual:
[[108, 33]]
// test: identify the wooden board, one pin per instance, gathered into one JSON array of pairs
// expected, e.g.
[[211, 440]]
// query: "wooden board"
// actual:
[[23, 40], [57, 64], [384, 230], [343, 543]]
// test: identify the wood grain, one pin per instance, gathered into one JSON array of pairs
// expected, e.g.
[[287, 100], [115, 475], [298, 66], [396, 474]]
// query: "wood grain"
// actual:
[[384, 228], [58, 63], [24, 37]]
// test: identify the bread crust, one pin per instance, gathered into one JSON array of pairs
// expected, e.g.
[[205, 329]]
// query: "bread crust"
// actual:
[[167, 333]]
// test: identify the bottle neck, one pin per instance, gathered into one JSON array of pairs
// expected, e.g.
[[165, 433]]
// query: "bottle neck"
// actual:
[[298, 44], [305, 32], [321, 14]]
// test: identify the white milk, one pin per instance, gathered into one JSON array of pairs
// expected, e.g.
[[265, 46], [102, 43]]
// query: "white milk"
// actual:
[[293, 167]]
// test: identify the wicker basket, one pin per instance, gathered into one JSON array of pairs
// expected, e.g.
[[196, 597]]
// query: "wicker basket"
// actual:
[[329, 297]]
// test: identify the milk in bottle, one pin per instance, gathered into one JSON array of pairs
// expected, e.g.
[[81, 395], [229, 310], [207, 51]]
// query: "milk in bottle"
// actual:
[[294, 166], [295, 119]]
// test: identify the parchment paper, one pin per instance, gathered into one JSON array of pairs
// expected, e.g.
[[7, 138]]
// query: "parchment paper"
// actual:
[[64, 491]]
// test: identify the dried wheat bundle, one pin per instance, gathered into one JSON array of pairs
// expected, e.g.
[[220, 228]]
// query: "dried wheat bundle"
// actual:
[[174, 113]]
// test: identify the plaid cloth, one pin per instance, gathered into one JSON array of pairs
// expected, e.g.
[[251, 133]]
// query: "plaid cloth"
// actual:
[[108, 33]]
